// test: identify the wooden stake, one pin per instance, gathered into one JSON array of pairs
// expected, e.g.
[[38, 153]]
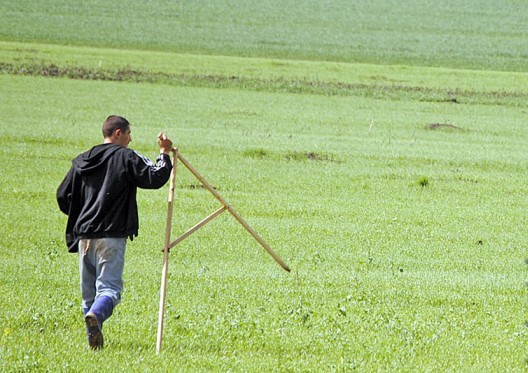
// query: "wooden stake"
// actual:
[[164, 272], [168, 244]]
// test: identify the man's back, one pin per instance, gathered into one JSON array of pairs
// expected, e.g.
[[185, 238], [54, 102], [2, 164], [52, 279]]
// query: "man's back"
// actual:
[[99, 192]]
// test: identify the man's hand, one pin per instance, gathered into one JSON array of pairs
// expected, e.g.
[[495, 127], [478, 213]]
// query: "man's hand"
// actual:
[[164, 143]]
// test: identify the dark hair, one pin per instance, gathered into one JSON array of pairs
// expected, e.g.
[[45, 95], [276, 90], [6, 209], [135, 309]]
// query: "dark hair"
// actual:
[[113, 123]]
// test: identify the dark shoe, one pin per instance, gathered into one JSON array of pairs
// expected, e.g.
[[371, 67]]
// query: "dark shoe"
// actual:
[[93, 329]]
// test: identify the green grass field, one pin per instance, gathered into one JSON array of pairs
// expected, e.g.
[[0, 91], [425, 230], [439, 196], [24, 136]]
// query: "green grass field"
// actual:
[[378, 148]]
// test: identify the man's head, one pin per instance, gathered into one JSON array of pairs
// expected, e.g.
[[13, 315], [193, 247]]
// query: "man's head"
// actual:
[[116, 130]]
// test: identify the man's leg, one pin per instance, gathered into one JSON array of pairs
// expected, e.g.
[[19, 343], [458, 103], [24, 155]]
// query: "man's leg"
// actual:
[[109, 264], [87, 271]]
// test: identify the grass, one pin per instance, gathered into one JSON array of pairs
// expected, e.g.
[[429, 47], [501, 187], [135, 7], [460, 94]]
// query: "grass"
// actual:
[[386, 274], [394, 192], [476, 35]]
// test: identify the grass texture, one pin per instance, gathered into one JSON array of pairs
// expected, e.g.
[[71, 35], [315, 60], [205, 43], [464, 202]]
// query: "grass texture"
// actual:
[[465, 34]]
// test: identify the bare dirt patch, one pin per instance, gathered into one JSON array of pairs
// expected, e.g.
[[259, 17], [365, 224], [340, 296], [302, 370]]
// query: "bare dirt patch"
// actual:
[[439, 126]]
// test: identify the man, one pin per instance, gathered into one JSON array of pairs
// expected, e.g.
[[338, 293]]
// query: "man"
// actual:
[[99, 196]]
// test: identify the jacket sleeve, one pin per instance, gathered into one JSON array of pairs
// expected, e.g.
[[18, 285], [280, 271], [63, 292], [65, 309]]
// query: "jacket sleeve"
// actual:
[[64, 192], [149, 175]]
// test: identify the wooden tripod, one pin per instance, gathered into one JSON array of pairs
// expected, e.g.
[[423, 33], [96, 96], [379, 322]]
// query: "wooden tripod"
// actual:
[[168, 244]]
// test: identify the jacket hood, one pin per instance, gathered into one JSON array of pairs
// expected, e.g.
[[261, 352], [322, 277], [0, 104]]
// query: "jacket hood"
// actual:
[[94, 158]]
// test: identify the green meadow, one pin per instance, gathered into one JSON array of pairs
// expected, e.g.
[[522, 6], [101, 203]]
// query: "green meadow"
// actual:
[[377, 147]]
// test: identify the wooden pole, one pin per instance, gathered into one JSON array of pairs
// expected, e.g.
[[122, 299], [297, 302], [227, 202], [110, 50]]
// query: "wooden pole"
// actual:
[[233, 212], [197, 226], [164, 272]]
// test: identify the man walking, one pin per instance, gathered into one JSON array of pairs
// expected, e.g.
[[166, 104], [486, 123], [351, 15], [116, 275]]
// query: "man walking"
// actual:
[[99, 196]]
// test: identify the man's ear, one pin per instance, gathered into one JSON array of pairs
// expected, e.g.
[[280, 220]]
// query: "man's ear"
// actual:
[[117, 132]]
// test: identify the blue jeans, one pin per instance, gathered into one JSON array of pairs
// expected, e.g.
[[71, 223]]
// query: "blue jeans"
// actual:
[[101, 262]]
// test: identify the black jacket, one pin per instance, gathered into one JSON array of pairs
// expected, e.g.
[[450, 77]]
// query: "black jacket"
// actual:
[[99, 192]]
